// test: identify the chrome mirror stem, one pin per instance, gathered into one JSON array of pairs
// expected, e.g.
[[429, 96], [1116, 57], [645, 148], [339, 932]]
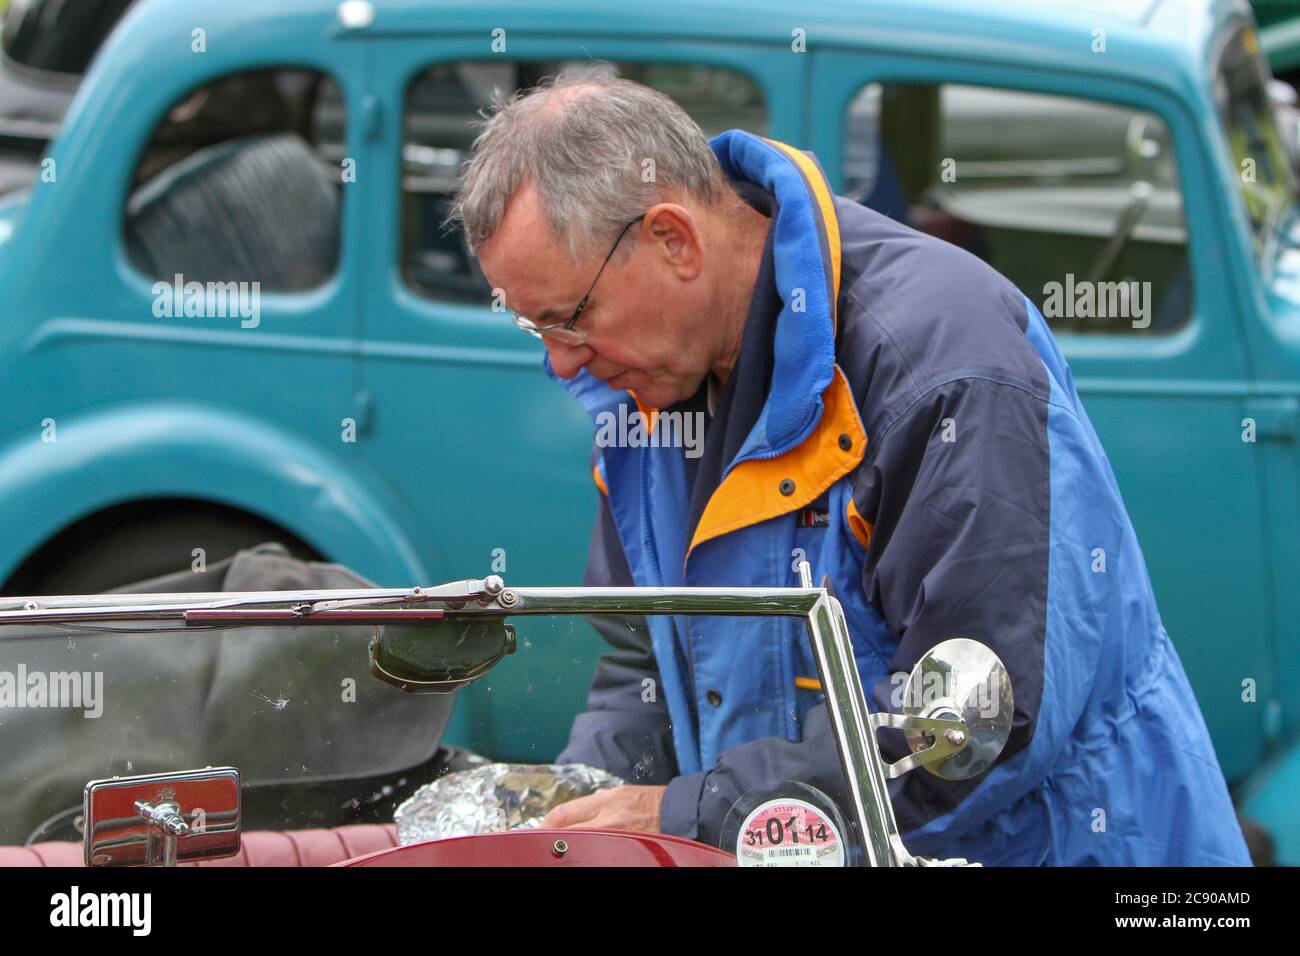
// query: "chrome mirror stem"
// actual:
[[846, 705]]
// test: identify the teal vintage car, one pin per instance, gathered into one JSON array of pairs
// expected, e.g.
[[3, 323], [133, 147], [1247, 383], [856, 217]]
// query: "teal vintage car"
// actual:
[[229, 310]]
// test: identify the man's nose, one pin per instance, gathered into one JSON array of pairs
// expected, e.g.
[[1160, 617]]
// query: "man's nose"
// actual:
[[567, 360]]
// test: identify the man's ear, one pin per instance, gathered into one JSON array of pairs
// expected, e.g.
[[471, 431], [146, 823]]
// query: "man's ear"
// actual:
[[676, 237]]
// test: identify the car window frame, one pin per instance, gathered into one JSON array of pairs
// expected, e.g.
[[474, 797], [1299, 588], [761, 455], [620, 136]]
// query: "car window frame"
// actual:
[[309, 297]]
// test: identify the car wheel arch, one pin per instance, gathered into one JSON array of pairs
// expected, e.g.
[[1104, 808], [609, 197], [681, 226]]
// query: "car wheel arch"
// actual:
[[139, 452]]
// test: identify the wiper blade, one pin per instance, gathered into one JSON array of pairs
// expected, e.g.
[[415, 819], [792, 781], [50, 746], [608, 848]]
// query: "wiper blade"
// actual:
[[295, 607], [306, 614]]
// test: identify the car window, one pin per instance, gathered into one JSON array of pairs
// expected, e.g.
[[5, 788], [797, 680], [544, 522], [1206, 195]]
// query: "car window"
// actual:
[[442, 105], [1076, 201], [240, 182], [61, 36], [1262, 159]]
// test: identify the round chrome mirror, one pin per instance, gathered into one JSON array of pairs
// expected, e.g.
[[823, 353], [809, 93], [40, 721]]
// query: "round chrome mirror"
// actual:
[[961, 680]]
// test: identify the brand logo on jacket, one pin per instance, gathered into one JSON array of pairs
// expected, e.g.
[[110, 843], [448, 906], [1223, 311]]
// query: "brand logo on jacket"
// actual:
[[814, 518]]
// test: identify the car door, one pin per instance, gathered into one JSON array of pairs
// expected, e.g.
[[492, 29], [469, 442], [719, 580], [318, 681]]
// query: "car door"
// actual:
[[491, 455], [1066, 184], [189, 257]]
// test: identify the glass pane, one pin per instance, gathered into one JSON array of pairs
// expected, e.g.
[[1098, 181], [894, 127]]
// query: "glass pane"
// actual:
[[445, 101], [317, 740], [59, 35], [1076, 201], [240, 184]]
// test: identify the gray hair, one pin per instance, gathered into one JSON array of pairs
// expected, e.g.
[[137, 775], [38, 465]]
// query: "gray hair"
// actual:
[[586, 139]]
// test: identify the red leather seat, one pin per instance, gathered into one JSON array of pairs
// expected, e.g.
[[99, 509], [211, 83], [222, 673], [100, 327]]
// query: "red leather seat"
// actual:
[[257, 848]]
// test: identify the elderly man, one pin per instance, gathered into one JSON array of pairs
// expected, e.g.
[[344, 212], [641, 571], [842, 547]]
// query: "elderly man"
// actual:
[[877, 400]]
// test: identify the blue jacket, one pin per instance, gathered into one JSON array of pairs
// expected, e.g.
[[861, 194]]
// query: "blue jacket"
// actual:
[[901, 416]]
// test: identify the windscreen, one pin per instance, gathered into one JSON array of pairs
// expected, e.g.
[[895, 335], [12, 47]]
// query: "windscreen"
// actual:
[[320, 740]]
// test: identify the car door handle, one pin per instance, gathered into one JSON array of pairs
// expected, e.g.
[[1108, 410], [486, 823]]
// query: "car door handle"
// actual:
[[1276, 418]]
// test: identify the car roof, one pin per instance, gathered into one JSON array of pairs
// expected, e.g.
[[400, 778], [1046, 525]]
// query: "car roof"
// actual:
[[1166, 42], [830, 22]]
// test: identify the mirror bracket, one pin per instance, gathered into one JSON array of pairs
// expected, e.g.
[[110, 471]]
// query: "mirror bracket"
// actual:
[[949, 736]]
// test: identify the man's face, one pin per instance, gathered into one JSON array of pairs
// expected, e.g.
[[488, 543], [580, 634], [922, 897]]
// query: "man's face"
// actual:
[[641, 325]]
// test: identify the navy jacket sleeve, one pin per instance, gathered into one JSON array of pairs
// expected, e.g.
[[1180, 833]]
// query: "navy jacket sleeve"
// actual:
[[625, 728], [958, 490], [960, 495]]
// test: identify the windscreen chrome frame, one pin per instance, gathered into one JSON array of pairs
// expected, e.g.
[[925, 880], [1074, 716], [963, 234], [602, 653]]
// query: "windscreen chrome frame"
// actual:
[[864, 769]]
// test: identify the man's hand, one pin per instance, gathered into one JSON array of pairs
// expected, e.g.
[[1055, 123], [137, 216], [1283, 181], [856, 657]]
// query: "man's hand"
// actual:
[[622, 808]]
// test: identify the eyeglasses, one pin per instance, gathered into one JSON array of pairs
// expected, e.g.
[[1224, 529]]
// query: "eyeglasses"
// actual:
[[565, 331]]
